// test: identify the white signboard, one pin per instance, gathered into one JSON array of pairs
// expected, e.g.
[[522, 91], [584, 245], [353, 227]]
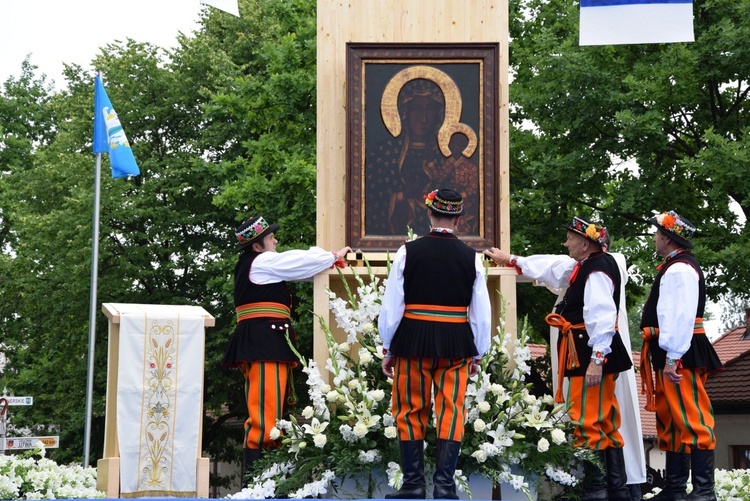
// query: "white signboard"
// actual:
[[19, 400], [18, 443]]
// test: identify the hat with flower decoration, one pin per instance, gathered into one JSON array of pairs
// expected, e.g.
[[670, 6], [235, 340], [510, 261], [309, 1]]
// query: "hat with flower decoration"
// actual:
[[253, 230], [675, 227], [592, 231], [445, 201]]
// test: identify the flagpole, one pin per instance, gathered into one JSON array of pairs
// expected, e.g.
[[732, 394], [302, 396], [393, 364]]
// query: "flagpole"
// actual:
[[92, 308]]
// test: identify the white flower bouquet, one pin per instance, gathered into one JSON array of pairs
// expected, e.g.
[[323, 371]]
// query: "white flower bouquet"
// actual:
[[31, 476], [348, 431]]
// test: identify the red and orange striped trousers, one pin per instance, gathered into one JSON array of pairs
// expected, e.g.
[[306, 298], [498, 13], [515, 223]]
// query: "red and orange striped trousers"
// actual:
[[413, 382], [598, 412], [265, 391], [684, 417]]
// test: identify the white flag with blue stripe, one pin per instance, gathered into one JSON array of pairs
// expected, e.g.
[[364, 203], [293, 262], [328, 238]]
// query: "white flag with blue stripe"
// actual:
[[614, 22]]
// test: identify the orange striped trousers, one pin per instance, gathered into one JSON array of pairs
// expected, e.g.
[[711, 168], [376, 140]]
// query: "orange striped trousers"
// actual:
[[597, 411], [684, 417], [413, 383], [265, 391]]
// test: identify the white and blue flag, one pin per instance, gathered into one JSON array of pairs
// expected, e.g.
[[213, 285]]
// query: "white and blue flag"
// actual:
[[614, 22], [109, 137]]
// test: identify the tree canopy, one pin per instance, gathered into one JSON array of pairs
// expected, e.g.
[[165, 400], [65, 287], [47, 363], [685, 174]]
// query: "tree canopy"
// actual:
[[223, 127]]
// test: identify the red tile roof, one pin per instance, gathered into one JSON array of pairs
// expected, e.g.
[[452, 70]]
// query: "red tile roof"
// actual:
[[731, 344], [729, 389]]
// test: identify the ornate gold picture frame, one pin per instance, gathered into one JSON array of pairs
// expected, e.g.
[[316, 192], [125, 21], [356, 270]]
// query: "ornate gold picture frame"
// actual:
[[420, 117]]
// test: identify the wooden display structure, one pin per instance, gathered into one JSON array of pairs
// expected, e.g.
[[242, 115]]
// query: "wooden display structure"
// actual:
[[108, 468], [410, 23]]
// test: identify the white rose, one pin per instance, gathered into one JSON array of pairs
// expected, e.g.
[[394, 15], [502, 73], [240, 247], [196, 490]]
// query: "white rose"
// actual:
[[354, 384], [344, 347], [558, 436], [496, 389], [325, 388], [275, 433], [365, 357], [377, 395], [479, 425], [368, 328], [332, 396], [542, 445], [361, 429], [390, 432], [308, 412], [484, 407], [479, 455], [320, 440]]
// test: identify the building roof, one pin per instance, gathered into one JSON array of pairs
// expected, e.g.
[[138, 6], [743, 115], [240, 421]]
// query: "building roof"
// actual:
[[728, 389], [732, 344], [648, 418]]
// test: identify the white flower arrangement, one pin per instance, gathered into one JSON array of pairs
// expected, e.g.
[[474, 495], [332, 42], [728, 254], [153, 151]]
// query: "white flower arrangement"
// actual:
[[348, 430], [24, 476], [729, 485]]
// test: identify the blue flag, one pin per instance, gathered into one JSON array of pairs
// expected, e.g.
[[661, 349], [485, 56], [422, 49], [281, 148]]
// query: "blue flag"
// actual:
[[109, 137]]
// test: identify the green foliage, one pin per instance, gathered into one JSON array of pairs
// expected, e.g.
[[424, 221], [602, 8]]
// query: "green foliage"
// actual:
[[621, 132]]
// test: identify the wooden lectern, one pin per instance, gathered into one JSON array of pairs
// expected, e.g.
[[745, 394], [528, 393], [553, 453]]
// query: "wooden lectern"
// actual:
[[108, 468]]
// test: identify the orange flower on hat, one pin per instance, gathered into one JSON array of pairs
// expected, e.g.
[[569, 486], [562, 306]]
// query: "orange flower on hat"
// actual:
[[592, 232], [668, 221]]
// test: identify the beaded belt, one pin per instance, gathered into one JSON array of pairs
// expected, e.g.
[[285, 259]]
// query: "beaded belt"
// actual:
[[262, 310], [436, 313]]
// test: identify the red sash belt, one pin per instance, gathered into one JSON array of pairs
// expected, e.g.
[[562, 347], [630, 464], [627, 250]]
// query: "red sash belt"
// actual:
[[647, 377], [436, 313], [567, 356], [262, 310]]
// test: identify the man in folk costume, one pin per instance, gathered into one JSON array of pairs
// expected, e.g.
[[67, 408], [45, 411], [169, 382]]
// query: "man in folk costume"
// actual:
[[263, 304], [435, 325], [675, 344], [590, 349]]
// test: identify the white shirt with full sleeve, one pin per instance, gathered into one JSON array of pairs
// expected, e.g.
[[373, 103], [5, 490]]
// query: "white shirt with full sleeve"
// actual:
[[599, 310], [393, 306], [294, 265], [676, 308]]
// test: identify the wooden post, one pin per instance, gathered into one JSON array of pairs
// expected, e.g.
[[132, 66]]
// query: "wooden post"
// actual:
[[402, 22]]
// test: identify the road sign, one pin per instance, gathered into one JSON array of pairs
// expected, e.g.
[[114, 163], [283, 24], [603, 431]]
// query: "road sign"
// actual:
[[18, 443], [19, 400]]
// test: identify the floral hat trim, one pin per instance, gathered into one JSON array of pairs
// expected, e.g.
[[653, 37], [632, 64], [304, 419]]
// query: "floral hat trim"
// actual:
[[592, 231], [672, 222], [251, 232], [451, 207]]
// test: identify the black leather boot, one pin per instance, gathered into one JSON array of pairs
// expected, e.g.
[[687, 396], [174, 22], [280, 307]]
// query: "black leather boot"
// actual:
[[595, 479], [249, 456], [445, 468], [702, 465], [676, 475], [412, 466], [617, 477]]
